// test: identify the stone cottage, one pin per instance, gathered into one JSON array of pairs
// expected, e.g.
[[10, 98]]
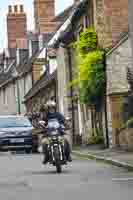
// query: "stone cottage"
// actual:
[[119, 61]]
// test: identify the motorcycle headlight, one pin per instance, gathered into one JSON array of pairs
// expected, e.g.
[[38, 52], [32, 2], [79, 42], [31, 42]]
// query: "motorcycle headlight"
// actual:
[[61, 139], [54, 133]]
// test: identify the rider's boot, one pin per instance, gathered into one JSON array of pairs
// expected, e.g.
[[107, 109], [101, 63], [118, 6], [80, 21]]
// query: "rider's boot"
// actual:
[[46, 155], [69, 158]]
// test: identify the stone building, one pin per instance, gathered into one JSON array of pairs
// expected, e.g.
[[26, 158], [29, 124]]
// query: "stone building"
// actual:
[[110, 20], [43, 90], [42, 21], [119, 60], [69, 105], [44, 74], [17, 70], [130, 15], [16, 80], [104, 16]]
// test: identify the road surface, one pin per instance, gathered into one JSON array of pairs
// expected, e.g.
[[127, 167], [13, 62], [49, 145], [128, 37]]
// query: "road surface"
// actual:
[[23, 177]]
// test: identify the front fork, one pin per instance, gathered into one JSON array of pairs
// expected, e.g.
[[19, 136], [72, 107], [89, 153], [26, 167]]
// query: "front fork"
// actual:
[[61, 151]]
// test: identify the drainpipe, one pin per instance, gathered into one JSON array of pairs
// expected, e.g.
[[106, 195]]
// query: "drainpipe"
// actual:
[[105, 103], [16, 77], [18, 97], [47, 62], [71, 91]]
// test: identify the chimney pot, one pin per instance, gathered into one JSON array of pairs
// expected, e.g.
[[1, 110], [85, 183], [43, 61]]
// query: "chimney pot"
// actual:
[[21, 8], [15, 8], [10, 9]]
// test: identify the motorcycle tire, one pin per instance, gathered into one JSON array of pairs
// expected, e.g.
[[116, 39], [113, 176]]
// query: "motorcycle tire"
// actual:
[[57, 160], [58, 168]]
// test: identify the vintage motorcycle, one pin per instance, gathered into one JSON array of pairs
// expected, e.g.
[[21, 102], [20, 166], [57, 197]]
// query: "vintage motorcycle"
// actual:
[[56, 144]]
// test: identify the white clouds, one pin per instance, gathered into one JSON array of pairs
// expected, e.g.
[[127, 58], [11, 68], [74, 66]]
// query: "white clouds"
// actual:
[[62, 4], [16, 2], [30, 18], [3, 41]]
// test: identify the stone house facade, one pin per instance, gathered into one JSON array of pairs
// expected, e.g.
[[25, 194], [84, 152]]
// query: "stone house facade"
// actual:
[[40, 93], [109, 18], [44, 86], [17, 78], [130, 15], [69, 104], [119, 60]]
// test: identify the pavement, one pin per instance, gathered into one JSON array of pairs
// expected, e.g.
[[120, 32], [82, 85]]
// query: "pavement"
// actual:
[[115, 157], [23, 177]]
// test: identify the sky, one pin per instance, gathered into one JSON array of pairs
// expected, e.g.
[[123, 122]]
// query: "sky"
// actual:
[[60, 5]]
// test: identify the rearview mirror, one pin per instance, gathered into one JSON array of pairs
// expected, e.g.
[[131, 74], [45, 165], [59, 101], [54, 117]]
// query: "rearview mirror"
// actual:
[[68, 119], [42, 124]]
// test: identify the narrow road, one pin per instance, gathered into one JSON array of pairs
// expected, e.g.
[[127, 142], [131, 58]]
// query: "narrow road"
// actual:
[[22, 177]]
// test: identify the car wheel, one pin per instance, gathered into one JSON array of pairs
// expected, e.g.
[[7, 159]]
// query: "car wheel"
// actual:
[[35, 149]]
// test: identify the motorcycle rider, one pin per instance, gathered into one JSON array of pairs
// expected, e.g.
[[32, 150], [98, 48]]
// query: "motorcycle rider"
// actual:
[[53, 114]]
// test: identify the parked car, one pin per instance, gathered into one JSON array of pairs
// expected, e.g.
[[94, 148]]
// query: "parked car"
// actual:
[[15, 133]]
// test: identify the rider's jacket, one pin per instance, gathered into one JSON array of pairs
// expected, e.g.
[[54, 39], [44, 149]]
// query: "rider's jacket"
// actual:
[[58, 116]]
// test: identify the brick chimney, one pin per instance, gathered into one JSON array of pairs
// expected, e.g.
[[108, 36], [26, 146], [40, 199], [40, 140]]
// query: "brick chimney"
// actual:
[[16, 27], [44, 12]]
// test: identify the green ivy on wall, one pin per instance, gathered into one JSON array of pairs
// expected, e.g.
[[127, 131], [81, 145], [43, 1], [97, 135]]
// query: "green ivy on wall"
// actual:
[[90, 70]]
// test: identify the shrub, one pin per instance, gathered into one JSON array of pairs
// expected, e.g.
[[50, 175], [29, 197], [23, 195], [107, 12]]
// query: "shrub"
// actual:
[[96, 140]]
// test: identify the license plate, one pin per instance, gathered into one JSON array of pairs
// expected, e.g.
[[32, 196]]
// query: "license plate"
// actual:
[[18, 140]]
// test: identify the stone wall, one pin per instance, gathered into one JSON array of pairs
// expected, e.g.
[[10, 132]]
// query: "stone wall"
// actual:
[[126, 139], [62, 60], [9, 95], [8, 101], [34, 104], [101, 24], [117, 62], [111, 20], [37, 68], [130, 14], [109, 121]]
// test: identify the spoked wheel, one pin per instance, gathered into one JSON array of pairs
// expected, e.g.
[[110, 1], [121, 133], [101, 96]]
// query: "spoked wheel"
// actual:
[[57, 160], [59, 168]]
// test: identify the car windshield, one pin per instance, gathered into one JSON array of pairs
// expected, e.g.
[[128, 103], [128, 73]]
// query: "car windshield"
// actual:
[[11, 122]]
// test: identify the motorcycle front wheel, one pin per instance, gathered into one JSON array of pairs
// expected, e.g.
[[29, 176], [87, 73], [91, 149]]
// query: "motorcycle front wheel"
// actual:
[[58, 168], [57, 160]]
